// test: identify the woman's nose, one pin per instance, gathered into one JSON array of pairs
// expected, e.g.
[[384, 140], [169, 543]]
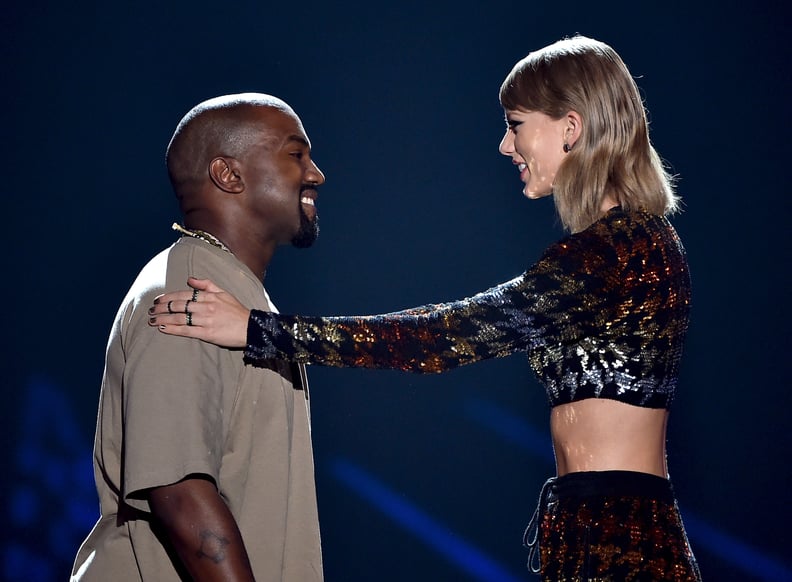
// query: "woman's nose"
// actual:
[[506, 146]]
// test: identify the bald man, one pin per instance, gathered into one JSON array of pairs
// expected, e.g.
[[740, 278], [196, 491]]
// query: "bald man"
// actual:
[[204, 466]]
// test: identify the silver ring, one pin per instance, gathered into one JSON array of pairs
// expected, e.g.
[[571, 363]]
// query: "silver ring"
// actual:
[[195, 295], [169, 307], [189, 318]]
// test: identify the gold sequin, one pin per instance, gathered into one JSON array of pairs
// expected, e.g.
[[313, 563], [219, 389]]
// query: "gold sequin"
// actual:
[[615, 539]]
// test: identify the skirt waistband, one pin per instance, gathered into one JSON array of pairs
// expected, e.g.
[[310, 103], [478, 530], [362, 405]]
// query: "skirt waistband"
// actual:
[[613, 483]]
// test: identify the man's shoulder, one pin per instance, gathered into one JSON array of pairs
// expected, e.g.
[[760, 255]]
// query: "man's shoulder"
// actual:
[[188, 257], [195, 258], [168, 271]]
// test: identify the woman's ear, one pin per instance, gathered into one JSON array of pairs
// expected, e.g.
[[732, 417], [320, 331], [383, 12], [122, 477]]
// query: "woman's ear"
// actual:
[[574, 128], [225, 174]]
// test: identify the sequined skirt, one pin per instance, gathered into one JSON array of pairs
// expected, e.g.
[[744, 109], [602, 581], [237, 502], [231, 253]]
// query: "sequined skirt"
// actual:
[[611, 526]]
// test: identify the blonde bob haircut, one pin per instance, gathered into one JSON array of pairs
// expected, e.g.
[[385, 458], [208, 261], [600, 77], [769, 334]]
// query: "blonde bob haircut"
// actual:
[[613, 155]]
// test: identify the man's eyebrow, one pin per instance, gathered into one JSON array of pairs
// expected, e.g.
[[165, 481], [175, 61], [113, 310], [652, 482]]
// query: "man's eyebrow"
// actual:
[[299, 139]]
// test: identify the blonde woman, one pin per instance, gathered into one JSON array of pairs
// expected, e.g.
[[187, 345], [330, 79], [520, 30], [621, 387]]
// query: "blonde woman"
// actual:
[[602, 317]]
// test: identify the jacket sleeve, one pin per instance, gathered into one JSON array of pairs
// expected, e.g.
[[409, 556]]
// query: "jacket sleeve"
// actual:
[[558, 300]]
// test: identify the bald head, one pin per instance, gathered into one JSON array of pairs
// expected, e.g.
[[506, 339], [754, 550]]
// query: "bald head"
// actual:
[[223, 126]]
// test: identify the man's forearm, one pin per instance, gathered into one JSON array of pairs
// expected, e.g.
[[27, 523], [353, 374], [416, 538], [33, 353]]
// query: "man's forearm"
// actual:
[[202, 530]]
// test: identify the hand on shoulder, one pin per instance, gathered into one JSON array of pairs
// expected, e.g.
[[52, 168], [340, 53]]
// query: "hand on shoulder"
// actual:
[[205, 312]]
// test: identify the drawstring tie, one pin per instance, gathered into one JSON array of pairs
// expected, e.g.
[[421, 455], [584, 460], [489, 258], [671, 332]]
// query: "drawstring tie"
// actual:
[[531, 535]]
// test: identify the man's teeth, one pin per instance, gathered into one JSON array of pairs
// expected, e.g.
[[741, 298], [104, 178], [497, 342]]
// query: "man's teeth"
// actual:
[[308, 201], [521, 167]]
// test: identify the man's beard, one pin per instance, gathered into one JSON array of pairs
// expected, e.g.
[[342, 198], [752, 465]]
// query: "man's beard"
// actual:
[[309, 230]]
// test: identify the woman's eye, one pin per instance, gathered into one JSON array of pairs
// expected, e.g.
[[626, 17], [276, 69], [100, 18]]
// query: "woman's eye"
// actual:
[[297, 155]]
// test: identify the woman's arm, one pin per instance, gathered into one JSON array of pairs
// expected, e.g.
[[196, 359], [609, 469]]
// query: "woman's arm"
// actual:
[[557, 300], [426, 339]]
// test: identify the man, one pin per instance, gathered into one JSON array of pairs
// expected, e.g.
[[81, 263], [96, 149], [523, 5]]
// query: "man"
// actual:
[[203, 465]]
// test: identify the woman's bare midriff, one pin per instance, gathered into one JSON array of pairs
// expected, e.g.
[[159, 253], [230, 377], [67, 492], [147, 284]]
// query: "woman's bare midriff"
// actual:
[[607, 435]]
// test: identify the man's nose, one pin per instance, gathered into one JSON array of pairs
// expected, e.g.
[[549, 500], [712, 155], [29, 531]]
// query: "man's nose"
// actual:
[[315, 175]]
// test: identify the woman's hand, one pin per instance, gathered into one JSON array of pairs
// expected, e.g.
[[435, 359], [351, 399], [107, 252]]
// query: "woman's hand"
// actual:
[[207, 312]]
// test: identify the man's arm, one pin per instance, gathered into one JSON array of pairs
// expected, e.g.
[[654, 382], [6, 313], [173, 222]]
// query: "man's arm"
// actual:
[[202, 530]]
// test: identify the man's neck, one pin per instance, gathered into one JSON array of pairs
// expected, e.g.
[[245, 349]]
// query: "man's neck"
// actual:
[[253, 253]]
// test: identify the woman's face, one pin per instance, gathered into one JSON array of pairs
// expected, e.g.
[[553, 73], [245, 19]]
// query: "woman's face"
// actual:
[[535, 143]]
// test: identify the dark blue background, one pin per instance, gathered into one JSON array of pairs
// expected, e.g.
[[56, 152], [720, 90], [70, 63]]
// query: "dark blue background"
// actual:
[[418, 478]]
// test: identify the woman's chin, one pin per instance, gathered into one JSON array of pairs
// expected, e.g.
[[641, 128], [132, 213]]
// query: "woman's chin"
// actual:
[[536, 194]]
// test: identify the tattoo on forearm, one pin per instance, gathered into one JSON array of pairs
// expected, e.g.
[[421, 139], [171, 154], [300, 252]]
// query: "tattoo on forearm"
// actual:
[[213, 546]]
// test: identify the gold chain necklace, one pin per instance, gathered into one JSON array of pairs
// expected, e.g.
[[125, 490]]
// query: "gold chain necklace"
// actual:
[[201, 235]]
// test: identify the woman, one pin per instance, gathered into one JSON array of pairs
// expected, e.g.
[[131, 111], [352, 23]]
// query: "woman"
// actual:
[[602, 316]]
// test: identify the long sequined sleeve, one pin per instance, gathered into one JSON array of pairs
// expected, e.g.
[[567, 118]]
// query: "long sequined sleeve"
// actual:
[[559, 299]]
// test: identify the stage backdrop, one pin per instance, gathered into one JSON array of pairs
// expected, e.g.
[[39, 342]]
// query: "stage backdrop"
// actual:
[[419, 478]]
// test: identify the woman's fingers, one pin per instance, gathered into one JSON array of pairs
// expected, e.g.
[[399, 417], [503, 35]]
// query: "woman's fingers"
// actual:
[[206, 312], [171, 306], [174, 296], [230, 332], [181, 330], [185, 312], [203, 290], [176, 320], [204, 285]]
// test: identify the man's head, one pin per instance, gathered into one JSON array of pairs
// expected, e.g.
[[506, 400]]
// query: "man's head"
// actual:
[[241, 164]]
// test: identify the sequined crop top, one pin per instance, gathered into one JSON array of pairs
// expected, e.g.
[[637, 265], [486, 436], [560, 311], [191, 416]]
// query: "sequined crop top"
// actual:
[[602, 314]]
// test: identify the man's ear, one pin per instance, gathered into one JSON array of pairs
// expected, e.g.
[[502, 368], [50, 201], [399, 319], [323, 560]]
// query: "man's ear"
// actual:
[[574, 128], [226, 175]]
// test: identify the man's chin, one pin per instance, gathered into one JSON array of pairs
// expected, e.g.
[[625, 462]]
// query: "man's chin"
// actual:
[[307, 234]]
